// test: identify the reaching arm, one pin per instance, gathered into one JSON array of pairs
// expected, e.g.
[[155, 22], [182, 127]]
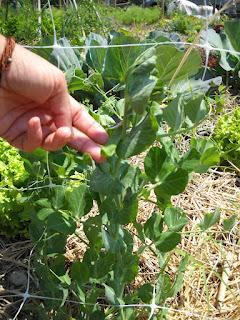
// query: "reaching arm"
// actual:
[[37, 111]]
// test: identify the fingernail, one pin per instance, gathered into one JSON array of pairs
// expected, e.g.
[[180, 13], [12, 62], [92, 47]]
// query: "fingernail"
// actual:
[[102, 137]]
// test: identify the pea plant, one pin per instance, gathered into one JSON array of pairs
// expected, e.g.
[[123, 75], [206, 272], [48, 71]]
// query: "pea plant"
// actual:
[[146, 96]]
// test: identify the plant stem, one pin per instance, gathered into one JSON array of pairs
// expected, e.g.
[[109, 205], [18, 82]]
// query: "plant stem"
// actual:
[[80, 238], [123, 134], [125, 120], [149, 200]]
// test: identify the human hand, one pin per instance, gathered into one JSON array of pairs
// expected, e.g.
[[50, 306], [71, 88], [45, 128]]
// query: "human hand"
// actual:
[[37, 111]]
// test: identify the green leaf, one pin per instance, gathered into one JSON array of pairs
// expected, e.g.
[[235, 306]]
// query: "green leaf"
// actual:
[[80, 82], [80, 272], [192, 87], [186, 113], [164, 284], [36, 228], [191, 161], [43, 214], [145, 292], [196, 109], [77, 200], [168, 241], [59, 197], [95, 80], [44, 203], [154, 226], [210, 219], [219, 41], [229, 223], [96, 56], [98, 315], [55, 245], [169, 146], [119, 59], [92, 230], [80, 292], [145, 193], [57, 267], [117, 240], [100, 265], [66, 57], [178, 282], [202, 145], [138, 92], [62, 223], [175, 219], [210, 157], [129, 267], [169, 59], [160, 36], [128, 212], [172, 184], [173, 114], [202, 155], [139, 138], [104, 183], [110, 295], [154, 161], [232, 29], [77, 80], [130, 177], [109, 150]]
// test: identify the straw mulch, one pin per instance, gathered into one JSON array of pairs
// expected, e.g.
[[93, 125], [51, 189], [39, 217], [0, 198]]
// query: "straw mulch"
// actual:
[[211, 287], [207, 293]]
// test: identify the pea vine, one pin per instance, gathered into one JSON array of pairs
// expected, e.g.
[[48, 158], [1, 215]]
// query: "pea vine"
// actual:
[[145, 101]]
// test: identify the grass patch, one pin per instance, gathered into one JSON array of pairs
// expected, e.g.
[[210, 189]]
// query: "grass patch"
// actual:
[[137, 15]]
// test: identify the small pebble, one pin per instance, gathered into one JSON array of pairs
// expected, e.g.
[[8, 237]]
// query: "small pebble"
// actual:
[[18, 278]]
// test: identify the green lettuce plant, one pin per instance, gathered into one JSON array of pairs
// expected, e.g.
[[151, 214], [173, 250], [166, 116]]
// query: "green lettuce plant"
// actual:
[[227, 136], [12, 176]]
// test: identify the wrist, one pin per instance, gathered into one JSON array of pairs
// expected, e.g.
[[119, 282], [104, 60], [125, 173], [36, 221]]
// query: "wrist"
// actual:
[[6, 56], [2, 44]]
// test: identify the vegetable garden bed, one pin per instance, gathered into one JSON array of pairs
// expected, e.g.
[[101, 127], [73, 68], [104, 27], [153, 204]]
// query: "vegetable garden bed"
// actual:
[[209, 251], [153, 232]]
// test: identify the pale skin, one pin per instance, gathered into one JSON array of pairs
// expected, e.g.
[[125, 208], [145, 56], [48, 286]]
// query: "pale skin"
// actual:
[[36, 110]]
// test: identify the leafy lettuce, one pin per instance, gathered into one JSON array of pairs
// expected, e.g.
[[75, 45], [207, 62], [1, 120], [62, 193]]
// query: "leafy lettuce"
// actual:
[[12, 176]]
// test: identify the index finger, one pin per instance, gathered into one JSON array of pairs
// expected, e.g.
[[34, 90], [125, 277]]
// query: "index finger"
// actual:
[[86, 124]]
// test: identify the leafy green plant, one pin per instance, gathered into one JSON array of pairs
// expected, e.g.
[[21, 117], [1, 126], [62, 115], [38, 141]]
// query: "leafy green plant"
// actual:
[[227, 135], [185, 25], [220, 97], [15, 22], [135, 15], [27, 31], [210, 219], [227, 62], [89, 17], [144, 102], [12, 176]]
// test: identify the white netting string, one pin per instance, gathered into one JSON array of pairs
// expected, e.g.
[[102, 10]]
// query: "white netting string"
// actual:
[[153, 307]]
